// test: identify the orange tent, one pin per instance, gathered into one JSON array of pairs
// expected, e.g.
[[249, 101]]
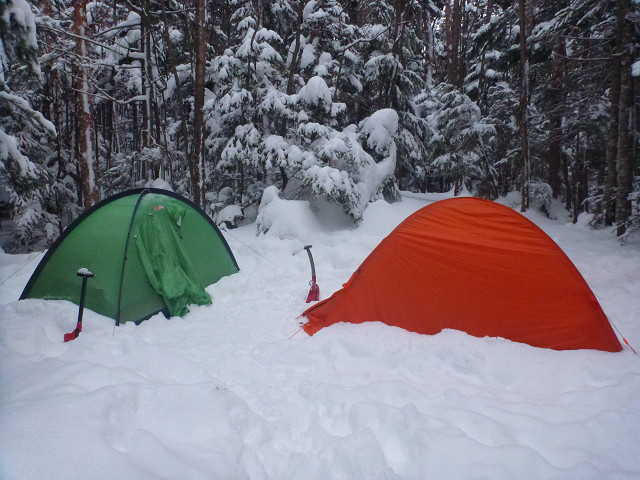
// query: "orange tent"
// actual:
[[477, 266]]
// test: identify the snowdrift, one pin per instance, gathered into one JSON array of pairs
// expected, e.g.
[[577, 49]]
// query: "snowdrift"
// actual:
[[226, 393]]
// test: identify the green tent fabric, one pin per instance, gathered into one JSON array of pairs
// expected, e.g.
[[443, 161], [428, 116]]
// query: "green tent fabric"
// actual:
[[150, 250]]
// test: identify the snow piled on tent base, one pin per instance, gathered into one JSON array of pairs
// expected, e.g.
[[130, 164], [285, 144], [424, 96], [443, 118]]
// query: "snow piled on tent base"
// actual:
[[226, 393]]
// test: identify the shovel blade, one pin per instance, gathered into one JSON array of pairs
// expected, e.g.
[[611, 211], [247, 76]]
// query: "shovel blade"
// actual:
[[69, 336], [314, 293], [72, 335]]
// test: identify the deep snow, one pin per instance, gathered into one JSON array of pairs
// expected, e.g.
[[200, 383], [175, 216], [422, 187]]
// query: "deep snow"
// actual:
[[236, 391]]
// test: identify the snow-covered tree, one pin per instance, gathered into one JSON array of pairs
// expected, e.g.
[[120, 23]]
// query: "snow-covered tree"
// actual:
[[295, 91], [395, 74], [328, 172], [246, 106], [350, 166], [460, 136], [25, 134]]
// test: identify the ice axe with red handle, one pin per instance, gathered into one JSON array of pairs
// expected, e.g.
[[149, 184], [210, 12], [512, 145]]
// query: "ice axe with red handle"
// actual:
[[314, 291], [85, 274]]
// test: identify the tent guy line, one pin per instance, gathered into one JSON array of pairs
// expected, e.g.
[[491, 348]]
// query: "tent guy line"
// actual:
[[225, 230], [23, 266]]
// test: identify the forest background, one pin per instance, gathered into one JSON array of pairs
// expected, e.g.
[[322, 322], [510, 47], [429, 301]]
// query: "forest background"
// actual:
[[338, 102]]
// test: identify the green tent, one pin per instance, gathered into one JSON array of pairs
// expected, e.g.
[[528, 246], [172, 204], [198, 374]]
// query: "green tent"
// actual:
[[150, 250]]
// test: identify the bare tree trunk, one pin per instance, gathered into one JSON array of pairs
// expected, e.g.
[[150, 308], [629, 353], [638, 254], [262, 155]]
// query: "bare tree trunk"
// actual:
[[197, 172], [625, 124], [396, 51], [150, 116], [154, 94], [293, 66], [184, 132], [612, 137], [568, 198], [453, 43], [554, 154], [447, 33], [454, 28], [146, 80], [583, 191], [353, 10], [293, 69], [580, 187], [134, 119], [482, 81], [428, 51], [85, 132], [524, 100]]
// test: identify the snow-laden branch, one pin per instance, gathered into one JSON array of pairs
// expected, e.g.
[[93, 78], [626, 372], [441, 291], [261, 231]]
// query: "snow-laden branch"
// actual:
[[132, 54], [25, 108]]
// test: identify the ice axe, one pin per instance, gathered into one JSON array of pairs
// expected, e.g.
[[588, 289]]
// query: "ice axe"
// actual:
[[314, 291], [85, 274]]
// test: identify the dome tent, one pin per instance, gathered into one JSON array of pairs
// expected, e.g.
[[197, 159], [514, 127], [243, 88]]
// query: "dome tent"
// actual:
[[150, 250], [473, 265]]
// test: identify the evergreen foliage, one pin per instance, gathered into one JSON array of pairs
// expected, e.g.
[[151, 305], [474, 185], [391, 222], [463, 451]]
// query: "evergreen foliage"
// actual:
[[345, 100]]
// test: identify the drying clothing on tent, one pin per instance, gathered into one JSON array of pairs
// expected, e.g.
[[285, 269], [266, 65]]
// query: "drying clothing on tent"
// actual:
[[165, 261]]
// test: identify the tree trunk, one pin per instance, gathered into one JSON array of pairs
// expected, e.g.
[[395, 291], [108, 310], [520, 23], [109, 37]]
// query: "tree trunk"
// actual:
[[389, 100], [524, 96], [109, 134], [184, 132], [580, 176], [293, 66], [554, 155], [89, 193], [353, 10], [454, 28], [146, 80], [150, 114], [625, 124], [197, 175], [429, 55], [568, 202], [612, 138], [482, 81], [134, 120]]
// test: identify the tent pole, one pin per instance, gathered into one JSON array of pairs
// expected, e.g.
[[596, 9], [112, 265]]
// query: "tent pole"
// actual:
[[126, 249]]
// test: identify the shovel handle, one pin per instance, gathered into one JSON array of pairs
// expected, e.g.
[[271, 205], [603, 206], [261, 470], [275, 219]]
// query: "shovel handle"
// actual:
[[313, 267], [85, 275]]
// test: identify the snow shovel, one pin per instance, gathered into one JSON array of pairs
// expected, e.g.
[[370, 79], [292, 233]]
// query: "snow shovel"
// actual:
[[85, 274], [314, 291]]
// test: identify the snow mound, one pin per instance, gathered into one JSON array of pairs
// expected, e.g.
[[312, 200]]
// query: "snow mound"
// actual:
[[316, 93], [286, 219], [159, 183], [230, 216], [380, 128]]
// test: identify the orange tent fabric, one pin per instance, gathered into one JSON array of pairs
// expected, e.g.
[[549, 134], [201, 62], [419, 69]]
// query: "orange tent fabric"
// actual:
[[473, 265]]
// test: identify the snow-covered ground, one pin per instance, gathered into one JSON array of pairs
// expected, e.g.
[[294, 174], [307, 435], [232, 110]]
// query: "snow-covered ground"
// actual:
[[236, 391]]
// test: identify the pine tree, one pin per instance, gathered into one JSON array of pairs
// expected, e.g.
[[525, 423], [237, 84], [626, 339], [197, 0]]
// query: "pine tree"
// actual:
[[248, 105], [25, 135], [459, 137]]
